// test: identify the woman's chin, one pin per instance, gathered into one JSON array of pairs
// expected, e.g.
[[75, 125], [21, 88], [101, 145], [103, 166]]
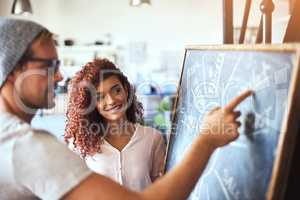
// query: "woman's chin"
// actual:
[[115, 117]]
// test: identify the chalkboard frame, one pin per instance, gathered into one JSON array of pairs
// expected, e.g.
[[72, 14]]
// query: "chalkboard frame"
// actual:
[[290, 127]]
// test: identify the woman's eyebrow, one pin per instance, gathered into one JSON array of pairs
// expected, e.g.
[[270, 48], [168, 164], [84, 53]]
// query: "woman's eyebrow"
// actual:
[[115, 86]]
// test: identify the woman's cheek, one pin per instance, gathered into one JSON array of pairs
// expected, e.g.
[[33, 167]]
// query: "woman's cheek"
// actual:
[[99, 108]]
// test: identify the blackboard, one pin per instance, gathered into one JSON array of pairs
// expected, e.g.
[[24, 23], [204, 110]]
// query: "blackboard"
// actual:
[[256, 165]]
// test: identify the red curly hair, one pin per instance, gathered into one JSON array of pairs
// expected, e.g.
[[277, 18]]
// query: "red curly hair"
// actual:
[[82, 112]]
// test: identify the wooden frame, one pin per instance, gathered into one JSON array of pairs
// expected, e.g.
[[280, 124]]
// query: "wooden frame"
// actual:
[[292, 33], [291, 5], [228, 21], [289, 128]]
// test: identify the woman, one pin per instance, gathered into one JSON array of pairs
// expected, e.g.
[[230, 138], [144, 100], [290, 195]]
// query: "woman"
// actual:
[[103, 119]]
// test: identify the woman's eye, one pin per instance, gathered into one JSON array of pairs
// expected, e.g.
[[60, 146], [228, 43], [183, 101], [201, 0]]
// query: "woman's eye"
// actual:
[[117, 90]]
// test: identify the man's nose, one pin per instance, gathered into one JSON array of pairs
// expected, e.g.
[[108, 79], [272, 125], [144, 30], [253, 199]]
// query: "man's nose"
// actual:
[[58, 76]]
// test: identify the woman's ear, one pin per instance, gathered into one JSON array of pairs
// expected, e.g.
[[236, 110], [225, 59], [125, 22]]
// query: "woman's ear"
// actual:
[[127, 89], [126, 92]]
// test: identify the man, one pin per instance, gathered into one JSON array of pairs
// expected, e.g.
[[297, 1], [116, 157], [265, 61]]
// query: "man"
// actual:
[[35, 165]]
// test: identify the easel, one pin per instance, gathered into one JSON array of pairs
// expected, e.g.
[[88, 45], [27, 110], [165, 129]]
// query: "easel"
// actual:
[[265, 27], [292, 34], [264, 35]]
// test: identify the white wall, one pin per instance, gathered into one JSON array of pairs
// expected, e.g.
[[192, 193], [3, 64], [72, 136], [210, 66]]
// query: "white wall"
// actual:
[[165, 25]]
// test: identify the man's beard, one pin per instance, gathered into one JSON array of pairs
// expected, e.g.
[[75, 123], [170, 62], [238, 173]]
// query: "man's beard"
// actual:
[[28, 107], [46, 103], [49, 99]]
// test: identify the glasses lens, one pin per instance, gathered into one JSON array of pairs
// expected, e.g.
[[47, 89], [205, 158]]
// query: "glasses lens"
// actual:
[[49, 62]]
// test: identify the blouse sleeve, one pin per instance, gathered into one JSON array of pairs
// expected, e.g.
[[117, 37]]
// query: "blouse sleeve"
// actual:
[[159, 151]]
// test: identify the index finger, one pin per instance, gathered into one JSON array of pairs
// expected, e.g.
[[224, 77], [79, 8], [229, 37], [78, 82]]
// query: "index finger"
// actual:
[[237, 100]]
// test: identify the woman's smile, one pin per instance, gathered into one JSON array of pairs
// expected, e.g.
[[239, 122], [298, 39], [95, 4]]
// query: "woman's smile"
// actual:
[[114, 109]]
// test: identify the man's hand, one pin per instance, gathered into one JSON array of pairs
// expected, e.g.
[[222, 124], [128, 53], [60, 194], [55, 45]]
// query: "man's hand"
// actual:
[[220, 125]]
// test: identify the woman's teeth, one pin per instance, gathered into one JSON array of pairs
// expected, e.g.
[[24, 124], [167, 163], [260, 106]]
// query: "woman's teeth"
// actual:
[[114, 109]]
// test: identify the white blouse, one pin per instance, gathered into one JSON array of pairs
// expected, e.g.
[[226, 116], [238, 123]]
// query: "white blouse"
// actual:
[[138, 164]]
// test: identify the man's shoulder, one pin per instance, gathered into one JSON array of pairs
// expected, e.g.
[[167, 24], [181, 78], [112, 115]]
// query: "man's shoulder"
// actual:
[[14, 129], [46, 162], [37, 160], [41, 145], [28, 144]]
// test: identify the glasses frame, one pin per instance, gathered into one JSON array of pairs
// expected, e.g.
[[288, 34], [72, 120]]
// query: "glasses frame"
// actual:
[[55, 63]]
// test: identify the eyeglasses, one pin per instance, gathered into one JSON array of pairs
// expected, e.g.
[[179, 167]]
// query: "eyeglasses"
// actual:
[[55, 63]]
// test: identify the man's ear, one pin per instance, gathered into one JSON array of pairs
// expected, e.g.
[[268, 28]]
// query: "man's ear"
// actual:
[[12, 77]]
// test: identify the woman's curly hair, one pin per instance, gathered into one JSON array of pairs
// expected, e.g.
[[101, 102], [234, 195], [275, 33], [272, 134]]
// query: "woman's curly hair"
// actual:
[[82, 114]]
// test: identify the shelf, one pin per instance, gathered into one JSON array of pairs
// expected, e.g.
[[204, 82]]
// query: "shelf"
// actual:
[[75, 57], [69, 71]]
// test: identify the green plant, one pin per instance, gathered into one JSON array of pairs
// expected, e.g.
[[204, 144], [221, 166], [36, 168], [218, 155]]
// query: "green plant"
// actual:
[[163, 109]]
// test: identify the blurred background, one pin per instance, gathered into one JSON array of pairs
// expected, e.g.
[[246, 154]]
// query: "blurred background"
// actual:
[[146, 41]]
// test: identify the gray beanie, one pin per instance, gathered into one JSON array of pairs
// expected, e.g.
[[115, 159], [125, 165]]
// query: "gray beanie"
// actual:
[[16, 35]]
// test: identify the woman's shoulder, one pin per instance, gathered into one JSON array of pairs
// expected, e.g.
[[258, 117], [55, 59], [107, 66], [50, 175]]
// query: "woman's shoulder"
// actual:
[[149, 131]]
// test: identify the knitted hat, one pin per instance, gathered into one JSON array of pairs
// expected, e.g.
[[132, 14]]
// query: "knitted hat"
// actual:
[[15, 37]]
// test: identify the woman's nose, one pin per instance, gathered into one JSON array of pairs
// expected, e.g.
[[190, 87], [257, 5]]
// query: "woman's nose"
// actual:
[[109, 99]]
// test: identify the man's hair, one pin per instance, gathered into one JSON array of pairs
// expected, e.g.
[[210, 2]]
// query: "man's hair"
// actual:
[[16, 36]]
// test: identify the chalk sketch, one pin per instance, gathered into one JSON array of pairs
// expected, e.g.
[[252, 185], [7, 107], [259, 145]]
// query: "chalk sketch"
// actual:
[[242, 169]]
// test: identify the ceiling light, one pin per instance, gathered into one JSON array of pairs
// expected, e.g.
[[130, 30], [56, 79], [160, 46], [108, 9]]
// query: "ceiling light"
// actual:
[[21, 6], [139, 2]]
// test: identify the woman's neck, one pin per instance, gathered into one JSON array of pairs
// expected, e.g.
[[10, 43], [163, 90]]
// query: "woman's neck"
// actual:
[[120, 128]]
